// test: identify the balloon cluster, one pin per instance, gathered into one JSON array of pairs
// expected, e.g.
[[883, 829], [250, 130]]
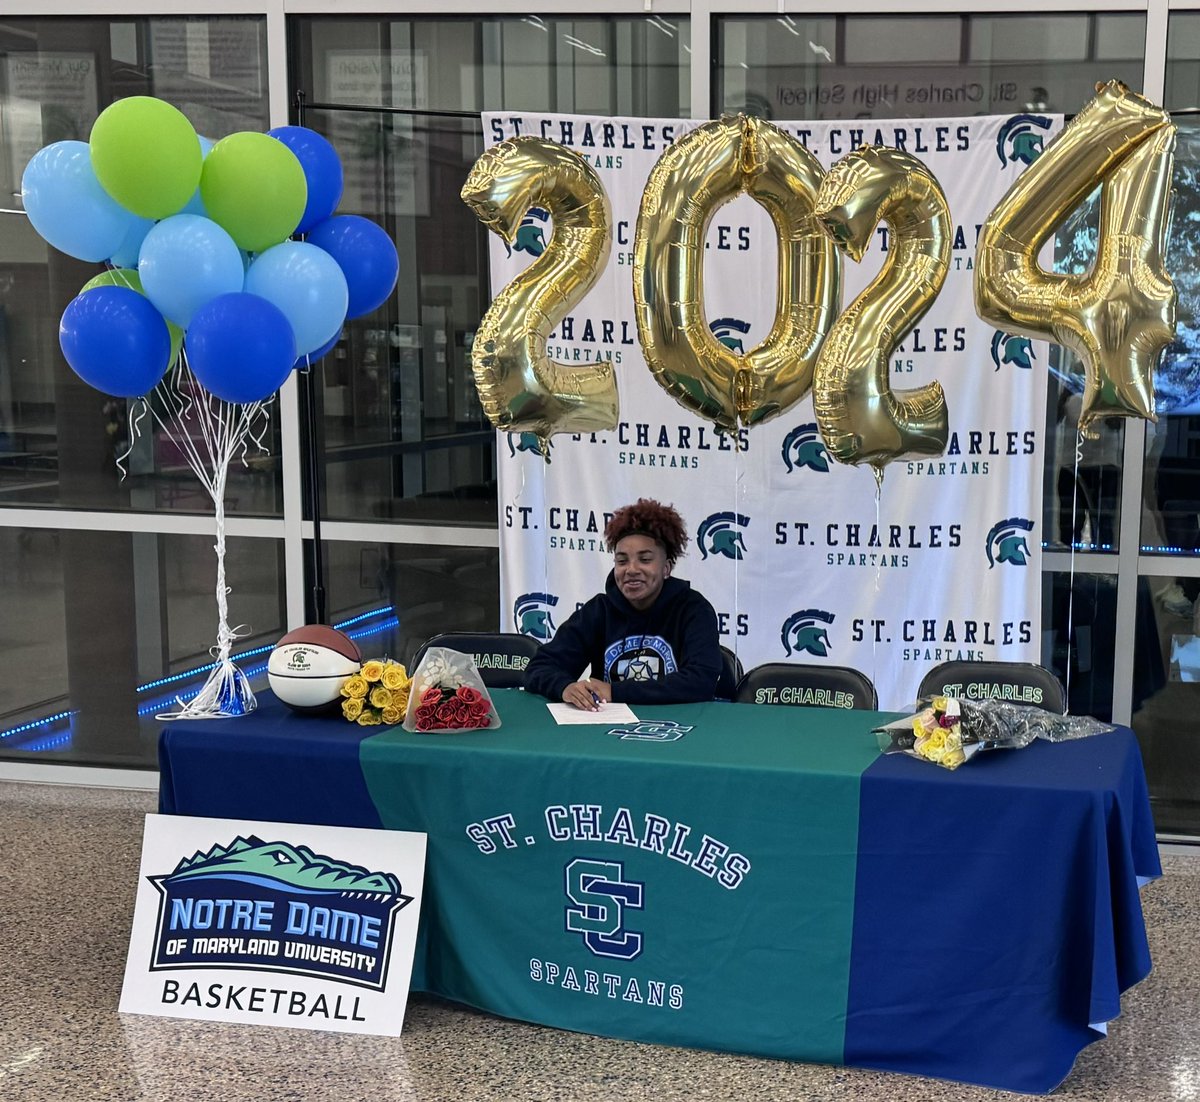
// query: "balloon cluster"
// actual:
[[199, 240]]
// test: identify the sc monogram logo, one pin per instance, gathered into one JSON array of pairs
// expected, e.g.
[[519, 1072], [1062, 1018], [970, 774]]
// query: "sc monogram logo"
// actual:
[[599, 894]]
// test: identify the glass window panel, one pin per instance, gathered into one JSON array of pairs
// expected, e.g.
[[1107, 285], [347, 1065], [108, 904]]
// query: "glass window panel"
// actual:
[[1082, 488], [1167, 701], [397, 417], [909, 66], [85, 647], [395, 596], [872, 40], [58, 436], [1032, 38], [1171, 499], [1079, 620], [621, 64]]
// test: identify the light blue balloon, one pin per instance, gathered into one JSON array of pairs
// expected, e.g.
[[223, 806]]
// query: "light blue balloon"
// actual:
[[67, 205], [307, 284], [130, 248], [187, 261], [195, 205]]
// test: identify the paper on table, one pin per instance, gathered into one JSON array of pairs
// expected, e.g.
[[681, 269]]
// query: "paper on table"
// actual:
[[608, 713]]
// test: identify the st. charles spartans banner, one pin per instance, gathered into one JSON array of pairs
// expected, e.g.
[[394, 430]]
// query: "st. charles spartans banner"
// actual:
[[804, 559]]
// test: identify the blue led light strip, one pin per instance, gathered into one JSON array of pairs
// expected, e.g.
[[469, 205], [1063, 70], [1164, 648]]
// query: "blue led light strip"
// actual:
[[254, 671]]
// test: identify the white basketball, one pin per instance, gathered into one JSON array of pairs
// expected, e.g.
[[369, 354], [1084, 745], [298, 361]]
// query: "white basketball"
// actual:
[[308, 675]]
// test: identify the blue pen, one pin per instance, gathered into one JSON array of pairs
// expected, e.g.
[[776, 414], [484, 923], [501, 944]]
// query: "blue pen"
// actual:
[[595, 698]]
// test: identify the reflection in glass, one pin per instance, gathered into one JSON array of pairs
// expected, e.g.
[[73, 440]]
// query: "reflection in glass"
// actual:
[[921, 66], [398, 595], [1166, 719], [104, 629], [399, 428], [1079, 622]]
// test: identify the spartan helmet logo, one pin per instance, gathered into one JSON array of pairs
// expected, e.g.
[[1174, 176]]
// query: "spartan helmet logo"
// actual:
[[1009, 543], [531, 612], [718, 536], [526, 442], [803, 447], [1007, 348], [804, 632], [727, 331], [529, 233], [1019, 140]]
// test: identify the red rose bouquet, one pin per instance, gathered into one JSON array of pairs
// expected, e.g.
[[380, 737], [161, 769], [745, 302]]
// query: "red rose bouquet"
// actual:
[[448, 694]]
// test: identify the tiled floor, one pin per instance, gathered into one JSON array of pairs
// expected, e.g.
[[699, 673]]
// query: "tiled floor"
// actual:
[[68, 866]]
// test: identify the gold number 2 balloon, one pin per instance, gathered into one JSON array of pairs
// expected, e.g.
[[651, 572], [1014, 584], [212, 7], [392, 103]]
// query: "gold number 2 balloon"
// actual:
[[1120, 315], [520, 388], [861, 418], [704, 169]]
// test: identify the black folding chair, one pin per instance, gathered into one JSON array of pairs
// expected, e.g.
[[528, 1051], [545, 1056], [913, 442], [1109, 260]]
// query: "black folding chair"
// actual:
[[813, 686], [731, 674], [500, 655], [1020, 682]]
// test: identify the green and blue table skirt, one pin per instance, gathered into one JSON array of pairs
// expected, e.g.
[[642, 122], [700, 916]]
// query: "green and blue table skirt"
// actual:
[[743, 878]]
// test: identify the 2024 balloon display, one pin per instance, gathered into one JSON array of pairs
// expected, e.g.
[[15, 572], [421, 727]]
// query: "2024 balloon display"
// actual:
[[201, 233], [1118, 317]]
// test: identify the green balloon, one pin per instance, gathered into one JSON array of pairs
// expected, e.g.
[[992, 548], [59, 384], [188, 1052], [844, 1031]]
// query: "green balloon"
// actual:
[[146, 155], [128, 277], [253, 187]]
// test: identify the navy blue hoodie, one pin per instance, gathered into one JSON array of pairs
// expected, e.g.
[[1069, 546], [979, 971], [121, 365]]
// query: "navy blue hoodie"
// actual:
[[665, 654]]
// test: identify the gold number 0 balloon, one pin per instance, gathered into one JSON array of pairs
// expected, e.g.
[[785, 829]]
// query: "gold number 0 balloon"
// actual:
[[861, 419], [520, 388], [691, 180], [1120, 315]]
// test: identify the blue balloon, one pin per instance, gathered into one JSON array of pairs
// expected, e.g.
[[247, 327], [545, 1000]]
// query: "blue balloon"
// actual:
[[307, 285], [322, 172], [67, 205], [195, 205], [115, 340], [366, 255], [308, 359], [127, 253], [240, 347], [185, 261]]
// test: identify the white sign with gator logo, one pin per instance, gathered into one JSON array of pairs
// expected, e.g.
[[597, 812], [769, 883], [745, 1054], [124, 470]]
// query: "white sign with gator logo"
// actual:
[[801, 558], [312, 927]]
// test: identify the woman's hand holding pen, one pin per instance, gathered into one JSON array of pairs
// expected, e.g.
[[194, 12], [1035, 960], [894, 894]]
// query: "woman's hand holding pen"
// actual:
[[588, 694]]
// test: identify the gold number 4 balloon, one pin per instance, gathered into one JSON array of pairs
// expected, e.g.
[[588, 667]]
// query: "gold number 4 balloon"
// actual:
[[1120, 315], [520, 388], [704, 169], [861, 419]]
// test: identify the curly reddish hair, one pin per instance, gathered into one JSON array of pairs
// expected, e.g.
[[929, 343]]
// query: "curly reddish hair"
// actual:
[[647, 517]]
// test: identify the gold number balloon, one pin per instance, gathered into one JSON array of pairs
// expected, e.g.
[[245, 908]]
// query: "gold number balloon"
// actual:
[[520, 388], [701, 171], [861, 418], [1120, 315]]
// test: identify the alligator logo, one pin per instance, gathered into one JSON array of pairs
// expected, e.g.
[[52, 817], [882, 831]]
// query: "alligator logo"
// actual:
[[531, 612], [726, 330], [1008, 348], [1008, 543], [526, 442], [804, 447], [717, 535], [804, 632], [279, 907], [530, 238], [1019, 141]]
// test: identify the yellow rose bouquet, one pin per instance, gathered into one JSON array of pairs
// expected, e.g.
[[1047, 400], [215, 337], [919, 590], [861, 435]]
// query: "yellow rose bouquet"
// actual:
[[949, 731], [377, 694]]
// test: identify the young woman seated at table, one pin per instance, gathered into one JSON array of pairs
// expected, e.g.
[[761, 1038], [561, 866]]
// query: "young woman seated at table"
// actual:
[[649, 638]]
